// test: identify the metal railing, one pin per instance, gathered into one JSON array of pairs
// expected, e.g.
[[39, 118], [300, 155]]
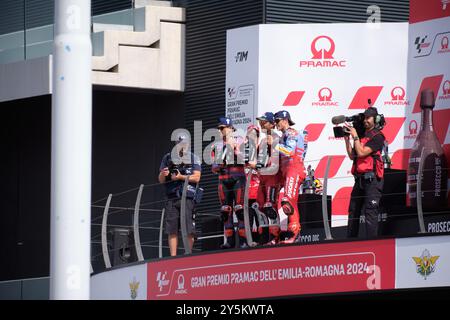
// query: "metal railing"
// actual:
[[155, 208]]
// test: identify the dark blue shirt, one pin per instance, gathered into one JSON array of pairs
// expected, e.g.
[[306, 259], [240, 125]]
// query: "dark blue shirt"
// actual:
[[174, 188]]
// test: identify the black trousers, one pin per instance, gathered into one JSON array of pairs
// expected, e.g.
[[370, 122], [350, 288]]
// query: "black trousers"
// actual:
[[365, 198]]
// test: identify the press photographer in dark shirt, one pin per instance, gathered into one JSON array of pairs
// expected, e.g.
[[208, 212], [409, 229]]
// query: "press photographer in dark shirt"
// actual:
[[368, 170], [175, 168]]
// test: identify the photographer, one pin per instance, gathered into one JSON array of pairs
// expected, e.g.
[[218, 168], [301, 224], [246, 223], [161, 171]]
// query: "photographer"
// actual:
[[175, 168], [368, 171]]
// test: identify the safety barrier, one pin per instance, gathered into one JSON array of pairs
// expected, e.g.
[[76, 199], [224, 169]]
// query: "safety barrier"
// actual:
[[138, 226]]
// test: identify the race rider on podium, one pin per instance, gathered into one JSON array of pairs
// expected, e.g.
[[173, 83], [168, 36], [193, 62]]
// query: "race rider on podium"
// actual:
[[292, 148]]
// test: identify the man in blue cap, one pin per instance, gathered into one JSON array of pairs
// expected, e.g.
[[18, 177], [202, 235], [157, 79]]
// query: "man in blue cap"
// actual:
[[228, 156], [292, 148], [175, 168]]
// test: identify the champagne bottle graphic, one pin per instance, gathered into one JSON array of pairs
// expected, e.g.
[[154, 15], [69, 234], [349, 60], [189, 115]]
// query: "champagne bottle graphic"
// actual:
[[427, 145]]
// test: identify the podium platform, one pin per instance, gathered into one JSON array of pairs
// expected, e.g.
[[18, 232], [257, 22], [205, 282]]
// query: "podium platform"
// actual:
[[284, 271]]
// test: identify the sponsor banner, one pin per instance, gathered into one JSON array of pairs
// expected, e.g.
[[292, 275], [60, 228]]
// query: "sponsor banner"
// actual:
[[422, 262], [127, 283], [241, 76], [317, 71], [274, 272]]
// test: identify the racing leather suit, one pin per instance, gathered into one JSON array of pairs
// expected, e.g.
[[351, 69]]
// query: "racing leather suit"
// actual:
[[229, 164], [292, 148]]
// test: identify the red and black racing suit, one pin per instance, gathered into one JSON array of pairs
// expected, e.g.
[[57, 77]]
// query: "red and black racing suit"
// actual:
[[229, 164], [269, 188]]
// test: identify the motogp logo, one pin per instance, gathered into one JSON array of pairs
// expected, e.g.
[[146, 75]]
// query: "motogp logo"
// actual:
[[161, 280], [231, 93]]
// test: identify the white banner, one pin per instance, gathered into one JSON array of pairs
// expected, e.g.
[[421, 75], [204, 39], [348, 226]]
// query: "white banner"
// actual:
[[429, 68], [422, 262], [128, 283], [242, 76]]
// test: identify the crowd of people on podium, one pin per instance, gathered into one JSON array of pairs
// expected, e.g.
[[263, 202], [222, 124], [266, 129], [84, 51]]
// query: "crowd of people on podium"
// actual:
[[271, 157]]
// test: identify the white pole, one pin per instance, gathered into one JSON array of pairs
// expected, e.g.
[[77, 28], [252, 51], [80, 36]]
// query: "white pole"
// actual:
[[71, 151]]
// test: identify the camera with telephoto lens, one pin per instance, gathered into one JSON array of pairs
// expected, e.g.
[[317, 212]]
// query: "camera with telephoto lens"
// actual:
[[358, 122]]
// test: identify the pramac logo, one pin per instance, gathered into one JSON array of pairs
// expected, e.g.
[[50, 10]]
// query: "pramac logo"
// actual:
[[325, 98], [325, 94], [397, 97], [444, 44], [398, 93], [445, 91], [180, 282], [446, 87], [320, 52], [322, 49], [412, 128]]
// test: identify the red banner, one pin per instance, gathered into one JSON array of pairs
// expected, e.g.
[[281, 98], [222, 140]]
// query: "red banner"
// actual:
[[423, 10], [275, 272]]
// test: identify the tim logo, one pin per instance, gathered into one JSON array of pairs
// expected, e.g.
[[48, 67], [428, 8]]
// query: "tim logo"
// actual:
[[241, 56], [445, 91], [231, 93], [444, 45], [161, 280], [325, 98], [397, 97], [180, 288], [421, 44], [322, 49]]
